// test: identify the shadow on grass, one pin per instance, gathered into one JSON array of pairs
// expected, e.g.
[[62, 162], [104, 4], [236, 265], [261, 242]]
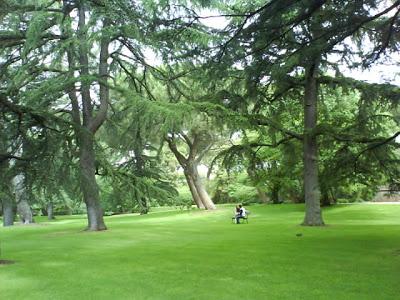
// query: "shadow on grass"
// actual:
[[6, 262]]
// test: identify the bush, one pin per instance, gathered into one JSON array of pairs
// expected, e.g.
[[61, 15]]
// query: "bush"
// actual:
[[235, 188], [244, 194]]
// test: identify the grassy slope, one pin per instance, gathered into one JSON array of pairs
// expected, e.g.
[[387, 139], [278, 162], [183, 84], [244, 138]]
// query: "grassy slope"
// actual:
[[201, 255]]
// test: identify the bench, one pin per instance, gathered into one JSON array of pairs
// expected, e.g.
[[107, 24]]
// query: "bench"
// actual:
[[245, 219]]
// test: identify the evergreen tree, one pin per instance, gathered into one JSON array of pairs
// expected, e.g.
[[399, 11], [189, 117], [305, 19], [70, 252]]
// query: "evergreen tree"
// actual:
[[285, 45]]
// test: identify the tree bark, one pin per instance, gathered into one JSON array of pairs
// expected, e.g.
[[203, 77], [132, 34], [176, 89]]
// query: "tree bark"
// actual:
[[189, 165], [201, 191], [21, 198], [50, 211], [86, 127], [24, 212], [140, 170], [8, 213], [7, 201], [193, 191], [313, 215], [276, 185], [89, 185]]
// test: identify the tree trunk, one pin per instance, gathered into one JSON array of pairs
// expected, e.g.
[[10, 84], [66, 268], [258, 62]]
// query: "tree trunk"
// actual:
[[275, 194], [193, 191], [24, 211], [8, 213], [21, 198], [333, 197], [140, 168], [325, 197], [50, 211], [189, 165], [274, 165], [89, 186], [313, 215], [201, 191], [144, 206], [90, 123]]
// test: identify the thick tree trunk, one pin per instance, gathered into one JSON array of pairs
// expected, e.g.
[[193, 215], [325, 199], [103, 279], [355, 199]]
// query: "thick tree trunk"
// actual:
[[90, 123], [189, 165], [89, 187], [313, 215], [8, 213], [24, 211], [193, 191], [50, 211], [21, 198], [201, 191]]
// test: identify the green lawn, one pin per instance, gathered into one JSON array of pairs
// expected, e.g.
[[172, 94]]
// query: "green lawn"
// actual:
[[201, 255]]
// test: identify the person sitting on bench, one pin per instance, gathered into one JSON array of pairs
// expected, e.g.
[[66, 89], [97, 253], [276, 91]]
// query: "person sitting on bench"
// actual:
[[241, 214], [237, 211]]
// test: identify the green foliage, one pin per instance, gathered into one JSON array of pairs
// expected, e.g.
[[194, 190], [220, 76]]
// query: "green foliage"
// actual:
[[183, 199], [235, 188], [356, 192], [246, 79], [37, 25]]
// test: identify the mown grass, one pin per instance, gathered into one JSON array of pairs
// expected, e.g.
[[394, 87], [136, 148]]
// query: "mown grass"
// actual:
[[201, 255]]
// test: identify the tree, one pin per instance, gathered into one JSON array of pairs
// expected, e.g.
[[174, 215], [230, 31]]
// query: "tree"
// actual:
[[131, 157], [283, 45], [6, 196], [86, 118], [69, 66], [76, 36], [198, 142]]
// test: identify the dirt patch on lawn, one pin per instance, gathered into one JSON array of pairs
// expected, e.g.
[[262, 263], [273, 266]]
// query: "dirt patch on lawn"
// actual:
[[6, 262]]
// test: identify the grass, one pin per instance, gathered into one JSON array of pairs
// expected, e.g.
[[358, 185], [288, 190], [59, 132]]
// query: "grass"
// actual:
[[201, 255]]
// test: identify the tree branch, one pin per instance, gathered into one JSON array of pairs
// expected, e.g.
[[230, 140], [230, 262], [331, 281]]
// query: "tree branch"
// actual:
[[179, 156], [103, 73]]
